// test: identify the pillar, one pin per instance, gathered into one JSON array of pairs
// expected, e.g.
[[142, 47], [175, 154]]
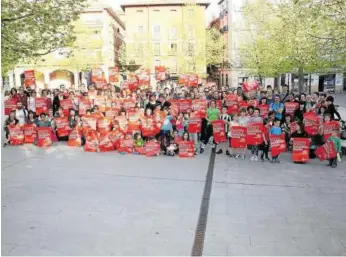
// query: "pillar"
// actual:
[[76, 79], [18, 81], [11, 79]]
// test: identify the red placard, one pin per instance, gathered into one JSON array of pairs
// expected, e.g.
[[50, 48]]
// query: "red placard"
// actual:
[[75, 138], [290, 107], [219, 131], [254, 133], [326, 151], [110, 113], [84, 104], [243, 104], [113, 74], [185, 105], [311, 122], [16, 135], [89, 122], [148, 127], [183, 79], [152, 148], [301, 147], [10, 104], [41, 105], [186, 149], [193, 80], [134, 123], [232, 104], [219, 104], [126, 146], [91, 141], [105, 143], [117, 103], [29, 133], [116, 135], [62, 126], [100, 101], [264, 109], [238, 139], [44, 136], [294, 127], [29, 78], [200, 106], [329, 127], [66, 105], [97, 77], [144, 77], [160, 73], [253, 102], [129, 104], [122, 122], [195, 123], [103, 125], [277, 144], [250, 88], [174, 107]]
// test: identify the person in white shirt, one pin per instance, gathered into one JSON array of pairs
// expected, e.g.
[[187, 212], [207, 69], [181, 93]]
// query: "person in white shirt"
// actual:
[[21, 113], [31, 102]]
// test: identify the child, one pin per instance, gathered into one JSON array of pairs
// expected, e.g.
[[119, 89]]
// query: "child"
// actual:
[[139, 143], [276, 130], [180, 124], [227, 119], [337, 144], [255, 118], [234, 122], [243, 120], [172, 145]]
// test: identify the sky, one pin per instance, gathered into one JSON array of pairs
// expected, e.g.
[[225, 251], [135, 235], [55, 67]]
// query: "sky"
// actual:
[[211, 13]]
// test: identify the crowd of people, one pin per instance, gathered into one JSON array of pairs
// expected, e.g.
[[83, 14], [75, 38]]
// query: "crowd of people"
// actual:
[[161, 120]]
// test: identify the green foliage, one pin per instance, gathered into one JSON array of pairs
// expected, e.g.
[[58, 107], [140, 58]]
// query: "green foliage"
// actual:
[[215, 46], [35, 28], [304, 35]]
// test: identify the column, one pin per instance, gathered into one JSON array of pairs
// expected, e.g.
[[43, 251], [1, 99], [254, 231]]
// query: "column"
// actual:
[[18, 81], [46, 76], [76, 79], [11, 79]]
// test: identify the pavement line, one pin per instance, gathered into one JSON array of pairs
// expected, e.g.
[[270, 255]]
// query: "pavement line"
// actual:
[[198, 244]]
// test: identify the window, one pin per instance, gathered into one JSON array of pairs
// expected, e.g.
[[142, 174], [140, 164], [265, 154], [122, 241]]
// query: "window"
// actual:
[[156, 10], [173, 47], [190, 31], [173, 10], [172, 32], [157, 49], [174, 66], [140, 29], [226, 79], [157, 63], [156, 31], [139, 10], [190, 13], [191, 49], [222, 79]]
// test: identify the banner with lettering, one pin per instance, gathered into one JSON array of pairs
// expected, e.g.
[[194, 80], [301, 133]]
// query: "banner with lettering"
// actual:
[[160, 73], [66, 105], [29, 133], [301, 148], [200, 106], [264, 109], [62, 126], [195, 123], [41, 105], [29, 79], [75, 138], [84, 104], [186, 149], [97, 77], [250, 88], [326, 151], [113, 74], [232, 104], [294, 127], [329, 127], [219, 131], [126, 145], [277, 144], [238, 139], [44, 136], [152, 148], [290, 107], [312, 123], [16, 135], [185, 105], [91, 141], [144, 77], [105, 142], [10, 105], [254, 133]]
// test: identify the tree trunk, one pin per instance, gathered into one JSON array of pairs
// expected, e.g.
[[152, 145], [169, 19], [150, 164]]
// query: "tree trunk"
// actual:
[[301, 79]]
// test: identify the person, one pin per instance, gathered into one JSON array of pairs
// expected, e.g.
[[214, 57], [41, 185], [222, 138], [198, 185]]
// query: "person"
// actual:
[[276, 130], [152, 103], [337, 144], [45, 94], [166, 125], [56, 102], [284, 93], [21, 113], [31, 101], [42, 121], [10, 121], [256, 118], [310, 106], [242, 120], [298, 114], [207, 128], [250, 110], [172, 144], [285, 127], [331, 108], [14, 94], [22, 96], [180, 124], [162, 102], [227, 119], [138, 140], [277, 107], [31, 119]]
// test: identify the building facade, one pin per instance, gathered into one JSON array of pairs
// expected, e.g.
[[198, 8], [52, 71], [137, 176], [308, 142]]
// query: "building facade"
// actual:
[[99, 35], [166, 33]]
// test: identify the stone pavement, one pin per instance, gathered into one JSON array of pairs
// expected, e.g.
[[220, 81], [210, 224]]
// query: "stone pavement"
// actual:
[[63, 201]]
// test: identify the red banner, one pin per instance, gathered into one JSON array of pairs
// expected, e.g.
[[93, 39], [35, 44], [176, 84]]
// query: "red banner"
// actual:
[[254, 133], [290, 107], [29, 78], [144, 77], [193, 80], [129, 104], [100, 101], [160, 73], [311, 122], [126, 145], [75, 138], [29, 133], [301, 148], [41, 105], [200, 106], [152, 149], [105, 143], [294, 127], [326, 151], [195, 123], [183, 79], [122, 122], [277, 144], [10, 105], [219, 131], [104, 125], [66, 105], [185, 105], [186, 149], [62, 126], [91, 141], [219, 104], [148, 127], [264, 109], [134, 123], [253, 102], [250, 88], [329, 127], [44, 136], [84, 104], [113, 74], [238, 139], [16, 136], [89, 122]]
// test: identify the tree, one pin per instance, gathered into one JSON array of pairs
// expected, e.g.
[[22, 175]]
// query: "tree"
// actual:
[[283, 38], [30, 29], [215, 48]]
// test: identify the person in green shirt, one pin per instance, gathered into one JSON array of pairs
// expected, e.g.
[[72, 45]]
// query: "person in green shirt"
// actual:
[[213, 113], [337, 144]]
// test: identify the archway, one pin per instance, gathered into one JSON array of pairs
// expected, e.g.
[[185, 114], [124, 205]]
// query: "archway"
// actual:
[[61, 77]]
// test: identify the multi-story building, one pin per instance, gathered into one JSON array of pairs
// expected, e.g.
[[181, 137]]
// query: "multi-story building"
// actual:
[[99, 34], [166, 33]]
